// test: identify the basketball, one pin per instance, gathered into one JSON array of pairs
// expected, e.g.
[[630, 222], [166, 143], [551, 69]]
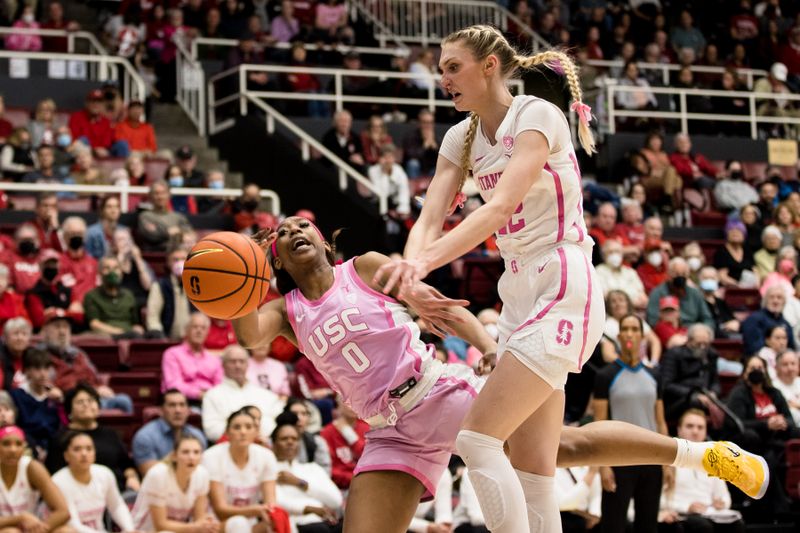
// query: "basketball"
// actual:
[[226, 275]]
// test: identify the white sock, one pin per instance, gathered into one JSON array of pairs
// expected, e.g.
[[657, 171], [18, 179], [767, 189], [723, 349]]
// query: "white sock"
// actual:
[[690, 454], [540, 497], [496, 484]]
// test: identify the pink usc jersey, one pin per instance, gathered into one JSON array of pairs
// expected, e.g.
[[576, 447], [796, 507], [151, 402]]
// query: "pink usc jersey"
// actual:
[[364, 342]]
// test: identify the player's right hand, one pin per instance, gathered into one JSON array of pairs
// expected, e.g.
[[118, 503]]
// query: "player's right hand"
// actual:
[[264, 238]]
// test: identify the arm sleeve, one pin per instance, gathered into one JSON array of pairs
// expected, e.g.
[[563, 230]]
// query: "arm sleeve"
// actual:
[[142, 448], [155, 302], [270, 466], [453, 143], [115, 504], [652, 307], [752, 335], [705, 314], [90, 308]]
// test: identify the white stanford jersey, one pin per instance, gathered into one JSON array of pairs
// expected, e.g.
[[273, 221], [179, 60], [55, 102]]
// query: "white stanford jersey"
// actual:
[[88, 503], [20, 498], [552, 210], [160, 489], [242, 485]]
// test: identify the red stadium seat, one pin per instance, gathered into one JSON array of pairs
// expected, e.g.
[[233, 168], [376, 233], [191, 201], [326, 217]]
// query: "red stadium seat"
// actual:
[[743, 299], [479, 285], [708, 218], [730, 349], [726, 383], [103, 353], [75, 205], [125, 425], [793, 468], [155, 169], [157, 261], [754, 171], [142, 387], [17, 117], [146, 355], [107, 165]]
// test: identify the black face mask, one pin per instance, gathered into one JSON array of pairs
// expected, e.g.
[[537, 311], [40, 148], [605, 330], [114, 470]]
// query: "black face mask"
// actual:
[[49, 273], [756, 377], [679, 282], [28, 248], [250, 205], [76, 242], [737, 175]]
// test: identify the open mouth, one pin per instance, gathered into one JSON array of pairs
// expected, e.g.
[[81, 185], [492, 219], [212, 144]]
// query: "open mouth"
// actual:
[[300, 244]]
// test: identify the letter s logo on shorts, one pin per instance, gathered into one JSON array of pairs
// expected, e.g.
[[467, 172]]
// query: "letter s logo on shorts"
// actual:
[[564, 335]]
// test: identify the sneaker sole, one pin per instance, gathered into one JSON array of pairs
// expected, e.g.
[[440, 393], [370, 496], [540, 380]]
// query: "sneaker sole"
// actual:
[[763, 463]]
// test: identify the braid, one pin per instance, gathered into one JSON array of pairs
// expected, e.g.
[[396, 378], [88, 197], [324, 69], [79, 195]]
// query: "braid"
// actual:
[[465, 154]]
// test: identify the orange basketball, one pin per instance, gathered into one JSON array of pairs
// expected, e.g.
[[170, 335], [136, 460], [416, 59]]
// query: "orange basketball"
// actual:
[[226, 275]]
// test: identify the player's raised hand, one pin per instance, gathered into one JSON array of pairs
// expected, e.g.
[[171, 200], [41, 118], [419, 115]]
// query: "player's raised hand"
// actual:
[[264, 238], [405, 274], [434, 308]]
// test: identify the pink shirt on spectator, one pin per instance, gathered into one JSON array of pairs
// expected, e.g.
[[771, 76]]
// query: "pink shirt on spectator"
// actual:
[[270, 374], [24, 41], [190, 372], [328, 16]]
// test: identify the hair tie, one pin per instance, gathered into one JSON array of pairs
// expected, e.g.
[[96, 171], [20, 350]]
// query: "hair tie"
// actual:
[[555, 66], [584, 112], [458, 201], [12, 430]]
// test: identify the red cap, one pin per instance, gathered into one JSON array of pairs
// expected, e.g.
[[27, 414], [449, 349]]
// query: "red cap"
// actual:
[[49, 254], [55, 313], [95, 94], [669, 302]]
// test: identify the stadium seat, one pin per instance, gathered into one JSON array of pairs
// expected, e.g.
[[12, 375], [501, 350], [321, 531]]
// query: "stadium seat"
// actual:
[[726, 383], [793, 468], [742, 299], [730, 349], [17, 117], [146, 355], [75, 205], [708, 218], [479, 285], [103, 353], [142, 387], [157, 261], [125, 425], [155, 168], [107, 165]]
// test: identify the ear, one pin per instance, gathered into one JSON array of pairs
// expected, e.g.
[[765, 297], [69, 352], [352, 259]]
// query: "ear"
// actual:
[[490, 64], [277, 263]]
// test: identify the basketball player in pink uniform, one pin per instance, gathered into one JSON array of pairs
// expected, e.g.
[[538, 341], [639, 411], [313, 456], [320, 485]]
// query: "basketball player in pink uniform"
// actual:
[[367, 346], [519, 152]]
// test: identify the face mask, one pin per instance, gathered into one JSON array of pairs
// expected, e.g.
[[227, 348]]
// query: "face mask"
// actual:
[[176, 181], [694, 263], [49, 273], [709, 285], [786, 266], [76, 242], [28, 248], [250, 205], [492, 330], [216, 185], [64, 140], [28, 18], [111, 279], [614, 260], [177, 268], [655, 258], [679, 282], [756, 377], [737, 175]]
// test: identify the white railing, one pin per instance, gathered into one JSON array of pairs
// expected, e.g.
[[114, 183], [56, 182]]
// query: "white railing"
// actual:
[[133, 86], [749, 74], [191, 87], [401, 51], [683, 114], [124, 190], [72, 37], [426, 22]]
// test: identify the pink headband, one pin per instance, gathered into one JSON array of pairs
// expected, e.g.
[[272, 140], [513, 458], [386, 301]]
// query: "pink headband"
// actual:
[[274, 245], [11, 430]]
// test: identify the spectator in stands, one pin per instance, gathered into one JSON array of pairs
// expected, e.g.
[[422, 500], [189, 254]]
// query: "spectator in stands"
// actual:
[[312, 446], [189, 367], [638, 193], [421, 147], [733, 262], [604, 225], [285, 27], [159, 227], [137, 276], [183, 204], [345, 438], [629, 391], [45, 170], [613, 274], [631, 228], [235, 392], [731, 192], [100, 234], [304, 490], [330, 22], [697, 172], [43, 127], [341, 140], [788, 381], [425, 66], [78, 268], [17, 157], [268, 373], [692, 306], [776, 342], [750, 215], [373, 138], [162, 504], [168, 307], [50, 293], [90, 489], [154, 441], [756, 326], [697, 502], [8, 410], [25, 42], [653, 270], [768, 201], [725, 323], [12, 304], [686, 35], [785, 270], [789, 55], [16, 339], [38, 402], [766, 258], [639, 99], [726, 105], [85, 171], [315, 388], [186, 159], [786, 220], [689, 373], [82, 407], [247, 215], [391, 180], [23, 260], [618, 305], [775, 83], [215, 179], [92, 128], [56, 21], [695, 258], [5, 126], [137, 173], [111, 309], [140, 136], [220, 335], [669, 328]]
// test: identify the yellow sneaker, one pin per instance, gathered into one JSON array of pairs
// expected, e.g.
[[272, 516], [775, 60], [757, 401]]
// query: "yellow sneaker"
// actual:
[[747, 471]]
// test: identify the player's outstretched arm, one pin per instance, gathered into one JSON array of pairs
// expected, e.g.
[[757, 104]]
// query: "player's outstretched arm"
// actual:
[[260, 327]]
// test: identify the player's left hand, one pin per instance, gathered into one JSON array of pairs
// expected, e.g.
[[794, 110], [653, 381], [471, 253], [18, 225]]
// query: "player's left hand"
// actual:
[[434, 308], [405, 274], [264, 238], [487, 363]]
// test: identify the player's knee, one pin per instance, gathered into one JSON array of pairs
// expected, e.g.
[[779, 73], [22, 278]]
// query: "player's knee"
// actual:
[[238, 524], [474, 446]]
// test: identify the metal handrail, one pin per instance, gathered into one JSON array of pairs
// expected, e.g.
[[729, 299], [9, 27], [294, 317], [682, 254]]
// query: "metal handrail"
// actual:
[[385, 33], [191, 97], [666, 68], [124, 189], [401, 51], [98, 48], [684, 116]]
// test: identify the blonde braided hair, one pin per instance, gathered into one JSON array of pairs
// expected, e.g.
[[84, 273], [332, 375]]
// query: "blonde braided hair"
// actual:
[[485, 40]]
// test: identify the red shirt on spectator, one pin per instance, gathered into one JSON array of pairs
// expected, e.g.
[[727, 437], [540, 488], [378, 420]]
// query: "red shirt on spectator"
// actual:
[[665, 330], [308, 378], [765, 408], [344, 455], [141, 136], [633, 233], [600, 236], [52, 43], [790, 56], [651, 276], [48, 237], [220, 335], [11, 306], [72, 368], [78, 271], [97, 129], [687, 164], [5, 128], [23, 271]]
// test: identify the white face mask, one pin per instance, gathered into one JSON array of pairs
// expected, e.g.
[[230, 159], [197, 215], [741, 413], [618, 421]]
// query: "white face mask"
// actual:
[[694, 263], [614, 260], [28, 18], [655, 258], [492, 330]]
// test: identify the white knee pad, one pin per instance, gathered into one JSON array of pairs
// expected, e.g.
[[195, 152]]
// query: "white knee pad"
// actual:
[[541, 502], [238, 524], [497, 488]]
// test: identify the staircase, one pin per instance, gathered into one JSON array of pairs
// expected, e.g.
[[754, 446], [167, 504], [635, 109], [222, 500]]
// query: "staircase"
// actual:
[[174, 129]]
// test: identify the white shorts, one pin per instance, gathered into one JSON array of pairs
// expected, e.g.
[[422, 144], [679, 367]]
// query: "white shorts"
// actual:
[[553, 312]]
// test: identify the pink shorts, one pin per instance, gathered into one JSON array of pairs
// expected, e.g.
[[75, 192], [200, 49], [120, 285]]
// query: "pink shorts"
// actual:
[[422, 441]]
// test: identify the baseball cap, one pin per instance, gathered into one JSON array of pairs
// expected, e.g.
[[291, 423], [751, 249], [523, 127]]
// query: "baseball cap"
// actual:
[[95, 94], [49, 254], [184, 152], [669, 302], [779, 71], [55, 313]]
